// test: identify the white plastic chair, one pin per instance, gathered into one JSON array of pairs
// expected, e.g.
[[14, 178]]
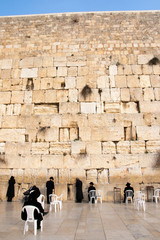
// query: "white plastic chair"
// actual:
[[30, 218], [156, 195], [141, 202], [99, 195], [59, 198], [137, 197], [41, 199], [92, 195], [53, 199], [129, 195]]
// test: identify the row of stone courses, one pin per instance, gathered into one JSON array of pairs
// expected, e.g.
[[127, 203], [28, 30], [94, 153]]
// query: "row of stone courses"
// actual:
[[78, 147]]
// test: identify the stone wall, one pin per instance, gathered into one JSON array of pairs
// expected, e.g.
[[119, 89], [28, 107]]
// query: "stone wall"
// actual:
[[80, 97]]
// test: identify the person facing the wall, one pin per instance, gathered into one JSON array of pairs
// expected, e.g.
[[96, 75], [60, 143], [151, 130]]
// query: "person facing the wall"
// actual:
[[50, 187], [128, 187], [79, 193], [91, 187], [10, 190]]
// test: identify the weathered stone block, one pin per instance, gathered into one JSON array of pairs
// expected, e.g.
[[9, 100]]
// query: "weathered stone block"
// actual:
[[157, 94], [130, 107], [136, 69], [29, 72], [45, 109], [60, 148], [47, 61], [151, 107], [111, 107], [123, 147], [125, 94], [103, 82], [115, 95], [38, 96], [148, 133], [152, 146], [85, 133], [93, 147], [88, 108], [62, 95], [46, 83], [70, 82], [6, 64], [17, 97], [5, 97], [148, 94], [78, 147], [137, 147], [145, 81], [15, 135], [108, 147], [9, 121], [72, 71], [64, 134], [144, 59], [155, 81], [51, 72], [62, 71], [127, 69], [6, 73], [40, 148], [28, 97], [120, 81], [147, 69], [112, 70], [133, 81], [107, 134], [27, 62], [52, 161], [136, 94], [73, 95]]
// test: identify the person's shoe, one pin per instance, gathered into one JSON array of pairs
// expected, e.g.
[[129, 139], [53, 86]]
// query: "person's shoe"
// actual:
[[38, 227]]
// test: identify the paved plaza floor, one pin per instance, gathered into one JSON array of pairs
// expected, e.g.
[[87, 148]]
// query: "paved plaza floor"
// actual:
[[84, 221]]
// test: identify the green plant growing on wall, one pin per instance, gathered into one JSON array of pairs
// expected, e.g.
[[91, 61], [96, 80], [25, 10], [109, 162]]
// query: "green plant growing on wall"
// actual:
[[154, 61], [86, 91]]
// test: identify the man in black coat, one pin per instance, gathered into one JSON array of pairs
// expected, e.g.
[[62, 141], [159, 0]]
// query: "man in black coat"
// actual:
[[50, 187], [10, 190], [79, 193], [32, 201], [91, 187], [128, 187]]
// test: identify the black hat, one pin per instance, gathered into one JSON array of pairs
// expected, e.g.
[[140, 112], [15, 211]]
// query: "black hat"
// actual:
[[51, 178], [128, 184], [91, 183]]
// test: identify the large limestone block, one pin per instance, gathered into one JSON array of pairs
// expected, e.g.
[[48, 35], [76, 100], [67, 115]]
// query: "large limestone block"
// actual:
[[148, 132], [46, 83], [123, 147], [56, 120], [83, 71], [2, 148], [125, 94], [150, 107], [62, 95], [27, 97], [155, 81], [73, 95], [120, 81], [15, 135], [133, 81], [145, 81], [2, 109], [108, 147], [50, 96], [85, 133], [70, 162], [157, 94], [152, 146], [69, 107], [64, 134], [144, 58], [38, 96], [106, 95], [27, 62], [81, 81], [70, 82], [112, 107], [76, 61], [136, 94], [136, 69], [5, 97], [60, 148], [42, 72], [72, 71], [137, 147], [62, 72], [100, 161], [107, 134], [130, 107], [112, 70], [88, 107], [78, 147], [29, 72], [115, 94], [6, 64], [21, 149], [45, 109], [17, 97], [147, 69], [103, 82], [9, 122], [37, 62], [156, 69], [148, 94], [74, 133], [40, 148], [52, 134], [127, 70], [51, 72], [6, 74], [93, 147], [52, 161], [47, 61]]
